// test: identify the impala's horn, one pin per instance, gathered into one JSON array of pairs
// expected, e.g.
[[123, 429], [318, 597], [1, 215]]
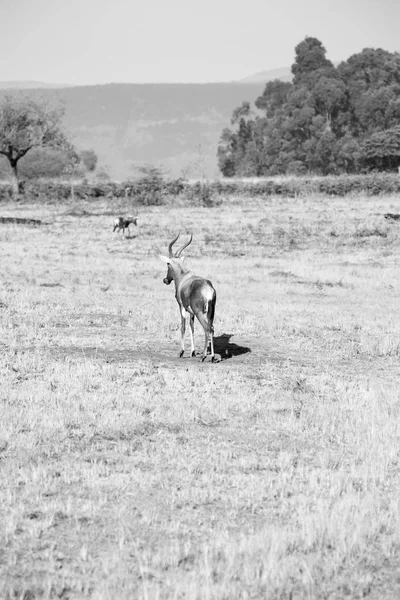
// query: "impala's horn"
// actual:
[[178, 254], [171, 244]]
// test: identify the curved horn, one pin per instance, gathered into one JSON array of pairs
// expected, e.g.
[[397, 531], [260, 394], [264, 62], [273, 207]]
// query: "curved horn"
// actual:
[[171, 244], [185, 246]]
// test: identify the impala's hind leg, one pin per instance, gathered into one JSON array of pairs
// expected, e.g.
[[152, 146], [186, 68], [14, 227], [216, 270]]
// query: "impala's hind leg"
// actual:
[[206, 336], [183, 328], [192, 351], [212, 345]]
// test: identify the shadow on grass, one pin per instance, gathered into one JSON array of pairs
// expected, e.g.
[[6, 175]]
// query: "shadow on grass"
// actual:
[[227, 349], [20, 221]]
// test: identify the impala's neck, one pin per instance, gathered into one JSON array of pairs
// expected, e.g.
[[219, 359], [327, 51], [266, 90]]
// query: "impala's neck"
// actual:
[[179, 270]]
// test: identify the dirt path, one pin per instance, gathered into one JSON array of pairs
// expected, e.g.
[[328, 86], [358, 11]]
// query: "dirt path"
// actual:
[[248, 355]]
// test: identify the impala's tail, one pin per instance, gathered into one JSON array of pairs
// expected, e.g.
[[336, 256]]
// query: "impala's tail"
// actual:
[[211, 311], [206, 315]]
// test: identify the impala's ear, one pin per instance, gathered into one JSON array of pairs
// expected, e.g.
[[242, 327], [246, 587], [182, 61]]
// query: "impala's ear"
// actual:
[[165, 259]]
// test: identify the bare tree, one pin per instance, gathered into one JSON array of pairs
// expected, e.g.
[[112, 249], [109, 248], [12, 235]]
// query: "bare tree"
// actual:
[[196, 167], [27, 123]]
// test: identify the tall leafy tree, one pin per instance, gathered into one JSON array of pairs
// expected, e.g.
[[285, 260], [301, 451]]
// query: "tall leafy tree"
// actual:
[[330, 96], [348, 154], [381, 151], [226, 153], [326, 121], [237, 152], [310, 57], [274, 97], [372, 78]]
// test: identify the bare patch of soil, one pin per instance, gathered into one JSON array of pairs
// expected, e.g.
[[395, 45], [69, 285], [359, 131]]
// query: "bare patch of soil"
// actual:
[[224, 350]]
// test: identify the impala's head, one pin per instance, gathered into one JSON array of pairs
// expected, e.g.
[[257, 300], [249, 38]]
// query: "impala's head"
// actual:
[[174, 260]]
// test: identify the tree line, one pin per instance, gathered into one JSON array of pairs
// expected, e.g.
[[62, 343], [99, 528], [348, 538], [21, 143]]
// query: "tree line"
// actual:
[[328, 120]]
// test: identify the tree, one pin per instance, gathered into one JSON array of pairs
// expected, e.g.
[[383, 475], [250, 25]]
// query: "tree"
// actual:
[[310, 57], [226, 153], [329, 120], [43, 162], [382, 150], [373, 68], [372, 78], [150, 185], [274, 97], [348, 154], [330, 96], [240, 113], [196, 167], [239, 151], [26, 123]]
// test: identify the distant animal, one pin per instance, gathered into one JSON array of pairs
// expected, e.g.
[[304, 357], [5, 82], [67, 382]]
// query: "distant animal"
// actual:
[[392, 216], [195, 295], [122, 223]]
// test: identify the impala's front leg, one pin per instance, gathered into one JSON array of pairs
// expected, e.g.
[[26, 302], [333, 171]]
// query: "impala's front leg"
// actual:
[[183, 328]]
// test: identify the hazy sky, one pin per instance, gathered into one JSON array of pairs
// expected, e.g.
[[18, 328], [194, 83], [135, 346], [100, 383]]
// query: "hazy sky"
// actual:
[[100, 41]]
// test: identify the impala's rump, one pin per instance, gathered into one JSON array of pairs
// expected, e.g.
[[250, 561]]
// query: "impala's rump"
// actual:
[[196, 293], [199, 298]]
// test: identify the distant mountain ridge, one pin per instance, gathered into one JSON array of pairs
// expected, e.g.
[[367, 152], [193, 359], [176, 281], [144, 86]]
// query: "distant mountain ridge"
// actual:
[[30, 85], [282, 73]]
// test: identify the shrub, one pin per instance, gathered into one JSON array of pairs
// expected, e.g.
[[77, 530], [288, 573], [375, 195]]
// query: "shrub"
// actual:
[[203, 194], [5, 192], [342, 185], [153, 191]]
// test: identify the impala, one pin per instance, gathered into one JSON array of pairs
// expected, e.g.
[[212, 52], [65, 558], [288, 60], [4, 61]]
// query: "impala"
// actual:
[[123, 223], [195, 295]]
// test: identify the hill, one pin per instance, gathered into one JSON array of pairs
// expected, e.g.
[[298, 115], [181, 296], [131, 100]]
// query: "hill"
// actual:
[[29, 85], [174, 125]]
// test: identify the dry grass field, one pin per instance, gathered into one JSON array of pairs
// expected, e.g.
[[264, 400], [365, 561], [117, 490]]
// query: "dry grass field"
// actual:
[[127, 473]]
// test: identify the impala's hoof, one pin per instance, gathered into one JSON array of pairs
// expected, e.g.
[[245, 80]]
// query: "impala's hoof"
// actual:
[[181, 353], [213, 359], [193, 354]]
